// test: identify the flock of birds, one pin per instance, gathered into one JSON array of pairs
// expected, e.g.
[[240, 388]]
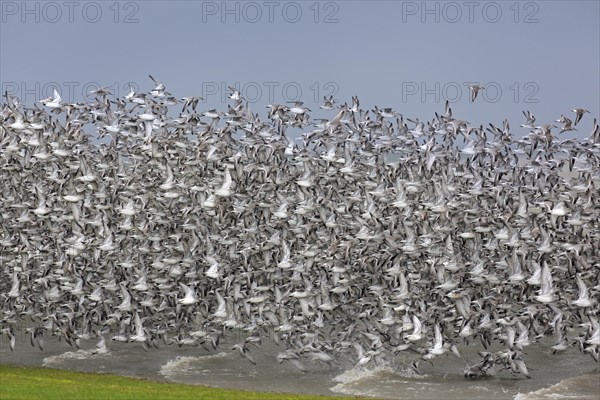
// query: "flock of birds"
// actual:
[[371, 234]]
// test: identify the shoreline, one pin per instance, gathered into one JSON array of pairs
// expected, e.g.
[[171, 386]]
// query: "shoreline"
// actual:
[[381, 382], [50, 383]]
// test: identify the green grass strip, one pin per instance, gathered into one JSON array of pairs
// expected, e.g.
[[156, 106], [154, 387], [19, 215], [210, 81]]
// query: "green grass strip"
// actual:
[[29, 383]]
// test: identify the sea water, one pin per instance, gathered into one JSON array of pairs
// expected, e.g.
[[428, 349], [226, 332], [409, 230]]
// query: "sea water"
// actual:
[[569, 375]]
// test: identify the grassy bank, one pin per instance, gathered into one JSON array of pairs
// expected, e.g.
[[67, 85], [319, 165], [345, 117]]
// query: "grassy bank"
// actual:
[[29, 383]]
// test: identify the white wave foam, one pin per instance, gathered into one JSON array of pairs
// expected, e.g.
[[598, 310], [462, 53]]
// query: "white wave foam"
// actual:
[[183, 364], [348, 378], [74, 355], [578, 387], [360, 372]]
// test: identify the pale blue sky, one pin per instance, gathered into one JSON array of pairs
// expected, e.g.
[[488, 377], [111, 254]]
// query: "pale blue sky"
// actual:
[[386, 52]]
